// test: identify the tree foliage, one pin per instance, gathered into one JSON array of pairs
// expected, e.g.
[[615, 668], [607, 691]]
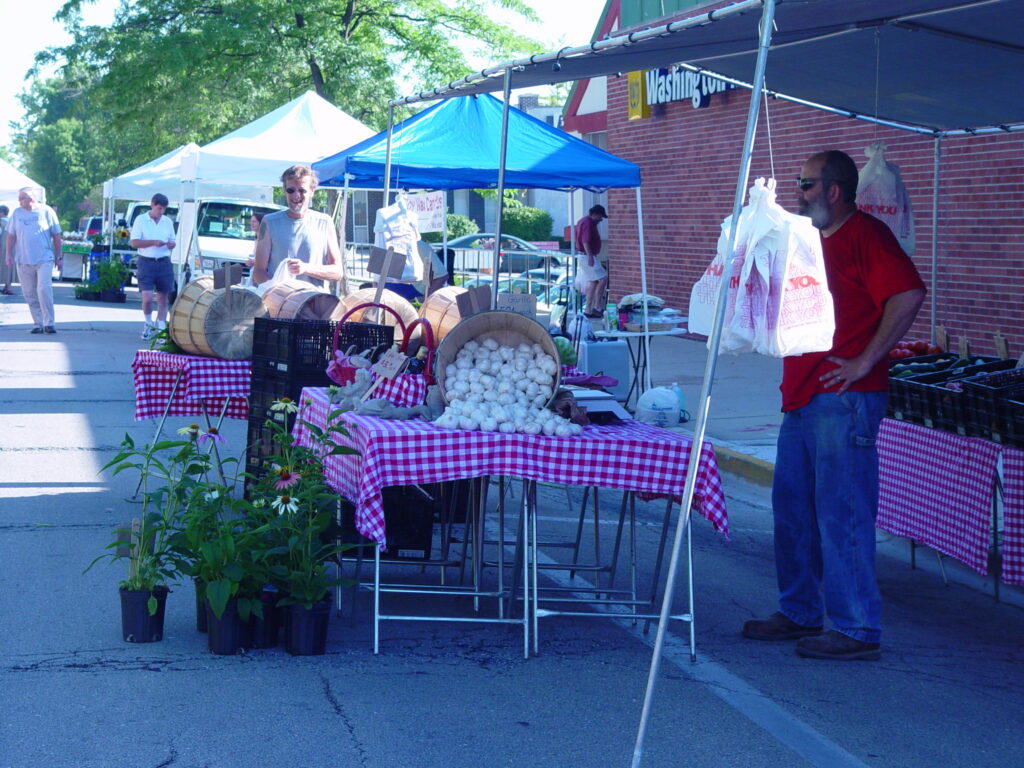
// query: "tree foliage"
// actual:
[[172, 71], [527, 223]]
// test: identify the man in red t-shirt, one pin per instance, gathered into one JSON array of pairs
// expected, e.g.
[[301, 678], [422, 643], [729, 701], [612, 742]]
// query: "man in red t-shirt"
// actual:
[[825, 490], [592, 273]]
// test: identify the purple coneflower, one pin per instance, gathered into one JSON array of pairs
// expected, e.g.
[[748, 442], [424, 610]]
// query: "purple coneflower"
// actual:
[[286, 478], [285, 504], [214, 435]]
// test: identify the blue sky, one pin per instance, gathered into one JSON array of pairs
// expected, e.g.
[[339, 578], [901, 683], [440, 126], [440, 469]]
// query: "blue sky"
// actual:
[[564, 22]]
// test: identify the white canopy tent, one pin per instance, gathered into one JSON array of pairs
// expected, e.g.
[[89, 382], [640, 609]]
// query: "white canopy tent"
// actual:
[[11, 180], [928, 66], [304, 130]]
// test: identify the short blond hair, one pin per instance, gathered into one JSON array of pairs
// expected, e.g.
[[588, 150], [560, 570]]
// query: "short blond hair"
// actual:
[[300, 172]]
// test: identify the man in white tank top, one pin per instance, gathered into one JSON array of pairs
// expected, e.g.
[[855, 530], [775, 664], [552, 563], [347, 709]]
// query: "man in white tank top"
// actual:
[[303, 241]]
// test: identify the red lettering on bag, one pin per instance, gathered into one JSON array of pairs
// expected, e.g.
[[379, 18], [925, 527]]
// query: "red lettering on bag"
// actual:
[[801, 281], [715, 270]]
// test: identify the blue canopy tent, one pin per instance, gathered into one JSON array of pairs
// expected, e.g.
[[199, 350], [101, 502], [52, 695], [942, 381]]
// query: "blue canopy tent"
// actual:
[[456, 144], [473, 142]]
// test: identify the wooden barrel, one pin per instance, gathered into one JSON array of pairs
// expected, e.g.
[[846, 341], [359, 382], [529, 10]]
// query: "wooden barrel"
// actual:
[[441, 310], [215, 323], [405, 311], [291, 301]]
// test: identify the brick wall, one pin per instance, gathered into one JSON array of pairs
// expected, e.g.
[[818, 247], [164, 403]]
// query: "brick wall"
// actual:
[[689, 160]]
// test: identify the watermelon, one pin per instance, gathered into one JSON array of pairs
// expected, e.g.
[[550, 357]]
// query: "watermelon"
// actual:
[[566, 351]]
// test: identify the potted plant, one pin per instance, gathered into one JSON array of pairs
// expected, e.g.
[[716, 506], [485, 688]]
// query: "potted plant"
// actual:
[[297, 508], [227, 552], [111, 275], [168, 471]]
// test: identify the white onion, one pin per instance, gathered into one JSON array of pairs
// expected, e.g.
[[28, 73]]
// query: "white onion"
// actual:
[[549, 427], [490, 395], [563, 430], [508, 427], [531, 428], [487, 424]]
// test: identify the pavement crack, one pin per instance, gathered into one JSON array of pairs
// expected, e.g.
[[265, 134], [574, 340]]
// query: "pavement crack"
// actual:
[[171, 760], [339, 710]]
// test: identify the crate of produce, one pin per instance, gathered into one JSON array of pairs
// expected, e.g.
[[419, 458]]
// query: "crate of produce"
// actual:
[[291, 346], [985, 402], [910, 379]]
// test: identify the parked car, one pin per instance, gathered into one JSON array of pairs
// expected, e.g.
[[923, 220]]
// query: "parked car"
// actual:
[[532, 281], [473, 253], [90, 225]]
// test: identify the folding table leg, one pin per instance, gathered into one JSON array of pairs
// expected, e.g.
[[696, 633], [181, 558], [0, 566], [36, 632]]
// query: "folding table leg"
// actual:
[[658, 561], [163, 419]]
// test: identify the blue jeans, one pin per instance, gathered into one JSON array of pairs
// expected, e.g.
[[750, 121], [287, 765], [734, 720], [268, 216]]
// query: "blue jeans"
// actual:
[[825, 499]]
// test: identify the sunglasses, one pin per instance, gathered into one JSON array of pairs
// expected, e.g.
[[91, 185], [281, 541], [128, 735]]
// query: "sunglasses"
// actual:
[[294, 190], [810, 181]]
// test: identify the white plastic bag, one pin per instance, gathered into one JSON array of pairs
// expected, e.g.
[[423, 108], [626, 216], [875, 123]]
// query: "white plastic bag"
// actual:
[[777, 302], [880, 192], [799, 316], [395, 227]]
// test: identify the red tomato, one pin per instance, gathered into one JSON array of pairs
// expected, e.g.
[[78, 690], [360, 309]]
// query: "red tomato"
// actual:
[[906, 353], [920, 347], [934, 349], [894, 354], [901, 345]]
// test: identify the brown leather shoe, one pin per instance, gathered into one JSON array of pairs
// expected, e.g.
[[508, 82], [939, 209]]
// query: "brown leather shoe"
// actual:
[[778, 626], [836, 645]]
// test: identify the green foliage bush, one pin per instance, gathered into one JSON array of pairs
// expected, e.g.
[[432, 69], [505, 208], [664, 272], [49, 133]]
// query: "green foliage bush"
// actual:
[[458, 225], [527, 223]]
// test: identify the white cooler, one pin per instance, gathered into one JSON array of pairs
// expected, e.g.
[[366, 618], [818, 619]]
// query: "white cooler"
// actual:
[[610, 358]]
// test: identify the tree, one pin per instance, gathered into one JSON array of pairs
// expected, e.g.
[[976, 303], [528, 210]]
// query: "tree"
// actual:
[[172, 71]]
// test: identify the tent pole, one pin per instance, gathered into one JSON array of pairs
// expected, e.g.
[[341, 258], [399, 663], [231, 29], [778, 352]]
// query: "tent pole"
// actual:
[[644, 385], [342, 287], [683, 523], [502, 148], [935, 236], [387, 155]]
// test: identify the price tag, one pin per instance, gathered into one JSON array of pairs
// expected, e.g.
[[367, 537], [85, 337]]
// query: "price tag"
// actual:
[[388, 366], [1002, 347], [942, 337], [520, 303], [964, 347], [382, 262]]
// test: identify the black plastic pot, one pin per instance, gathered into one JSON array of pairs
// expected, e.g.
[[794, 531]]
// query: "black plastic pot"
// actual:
[[265, 630], [200, 606], [228, 634], [113, 295], [306, 629], [137, 625]]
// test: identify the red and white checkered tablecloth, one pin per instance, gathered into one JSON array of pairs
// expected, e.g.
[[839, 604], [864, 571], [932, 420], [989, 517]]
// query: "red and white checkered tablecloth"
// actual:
[[202, 378], [936, 488], [1013, 516], [634, 456]]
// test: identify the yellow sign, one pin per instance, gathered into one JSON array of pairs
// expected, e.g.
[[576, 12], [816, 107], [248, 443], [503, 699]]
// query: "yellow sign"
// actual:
[[639, 109]]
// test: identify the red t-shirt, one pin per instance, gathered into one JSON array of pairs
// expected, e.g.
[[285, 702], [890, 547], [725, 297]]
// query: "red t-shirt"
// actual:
[[865, 266], [587, 234]]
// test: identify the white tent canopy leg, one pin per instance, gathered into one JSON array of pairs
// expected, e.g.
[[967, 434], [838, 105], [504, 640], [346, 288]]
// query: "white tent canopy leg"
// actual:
[[683, 523]]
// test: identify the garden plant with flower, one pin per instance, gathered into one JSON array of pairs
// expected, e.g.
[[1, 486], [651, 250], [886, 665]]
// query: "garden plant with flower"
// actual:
[[169, 471], [296, 506]]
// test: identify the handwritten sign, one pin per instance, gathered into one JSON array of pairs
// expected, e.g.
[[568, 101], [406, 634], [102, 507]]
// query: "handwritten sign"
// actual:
[[428, 208], [382, 262], [388, 366], [520, 303]]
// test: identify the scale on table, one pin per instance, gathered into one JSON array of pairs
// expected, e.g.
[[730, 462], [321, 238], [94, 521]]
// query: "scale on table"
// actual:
[[597, 401]]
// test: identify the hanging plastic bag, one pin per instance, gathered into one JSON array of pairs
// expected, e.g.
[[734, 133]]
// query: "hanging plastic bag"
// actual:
[[881, 192], [777, 302], [799, 316], [395, 227]]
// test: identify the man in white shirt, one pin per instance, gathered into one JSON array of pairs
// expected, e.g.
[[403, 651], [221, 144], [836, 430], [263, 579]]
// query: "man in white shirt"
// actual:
[[34, 244], [153, 237]]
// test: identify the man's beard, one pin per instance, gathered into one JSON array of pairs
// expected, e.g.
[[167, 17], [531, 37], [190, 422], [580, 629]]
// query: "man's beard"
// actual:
[[817, 210]]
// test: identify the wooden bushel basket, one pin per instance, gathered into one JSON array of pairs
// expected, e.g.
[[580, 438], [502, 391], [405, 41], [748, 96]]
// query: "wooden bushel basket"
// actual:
[[506, 328], [289, 301], [401, 316], [215, 323], [441, 309]]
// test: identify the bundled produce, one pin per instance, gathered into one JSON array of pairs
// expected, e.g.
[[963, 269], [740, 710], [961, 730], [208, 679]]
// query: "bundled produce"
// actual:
[[499, 388], [913, 349]]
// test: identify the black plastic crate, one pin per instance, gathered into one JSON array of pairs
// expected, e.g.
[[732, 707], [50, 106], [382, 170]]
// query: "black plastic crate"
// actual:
[[911, 396], [293, 347], [409, 516], [985, 398], [1012, 426], [365, 336], [939, 396]]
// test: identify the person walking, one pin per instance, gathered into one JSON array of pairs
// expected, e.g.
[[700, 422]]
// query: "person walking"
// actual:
[[305, 241], [825, 488], [34, 245], [153, 236], [6, 270], [592, 273]]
